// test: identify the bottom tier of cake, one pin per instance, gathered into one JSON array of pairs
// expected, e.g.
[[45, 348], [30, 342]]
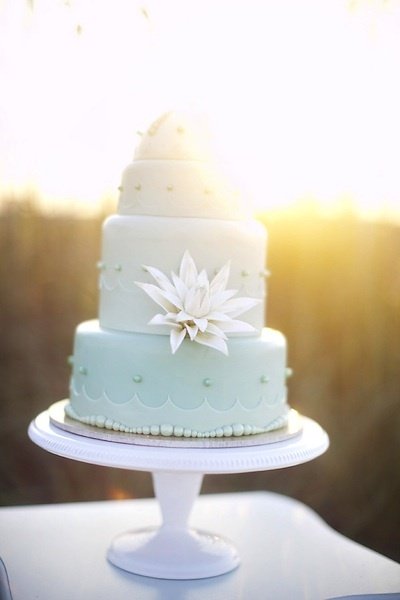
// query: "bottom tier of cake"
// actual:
[[131, 382]]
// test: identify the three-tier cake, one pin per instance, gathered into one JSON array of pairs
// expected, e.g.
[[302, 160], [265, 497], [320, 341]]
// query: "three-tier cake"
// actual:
[[180, 348]]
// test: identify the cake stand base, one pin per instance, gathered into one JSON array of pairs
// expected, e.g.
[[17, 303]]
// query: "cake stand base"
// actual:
[[175, 551], [163, 554]]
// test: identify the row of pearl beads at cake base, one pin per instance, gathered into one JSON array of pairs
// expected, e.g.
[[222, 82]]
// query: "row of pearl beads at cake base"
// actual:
[[168, 430]]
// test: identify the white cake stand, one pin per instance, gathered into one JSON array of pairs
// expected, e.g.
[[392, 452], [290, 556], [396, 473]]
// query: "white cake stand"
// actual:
[[174, 551]]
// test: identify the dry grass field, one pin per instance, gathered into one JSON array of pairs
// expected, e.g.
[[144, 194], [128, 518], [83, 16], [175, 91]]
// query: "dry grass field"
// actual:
[[334, 292]]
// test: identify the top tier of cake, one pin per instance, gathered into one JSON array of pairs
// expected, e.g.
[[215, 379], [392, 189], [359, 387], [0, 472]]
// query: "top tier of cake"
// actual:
[[175, 201], [175, 174]]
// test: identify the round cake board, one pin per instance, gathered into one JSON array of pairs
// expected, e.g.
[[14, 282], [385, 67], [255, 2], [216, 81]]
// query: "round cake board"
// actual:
[[59, 419]]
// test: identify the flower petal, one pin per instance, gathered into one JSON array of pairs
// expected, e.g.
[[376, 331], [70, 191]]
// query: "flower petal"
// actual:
[[158, 296], [160, 319], [207, 339], [171, 315], [216, 330], [180, 286], [204, 300], [182, 316], [218, 316], [176, 338], [235, 326], [201, 323], [188, 270], [237, 306], [173, 298], [220, 281], [192, 301], [221, 297], [161, 279], [202, 279], [192, 330]]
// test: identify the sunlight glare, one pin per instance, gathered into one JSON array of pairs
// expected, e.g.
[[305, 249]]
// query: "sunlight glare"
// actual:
[[304, 95]]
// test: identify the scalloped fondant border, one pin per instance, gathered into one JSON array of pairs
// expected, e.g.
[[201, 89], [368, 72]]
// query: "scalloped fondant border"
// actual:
[[205, 403]]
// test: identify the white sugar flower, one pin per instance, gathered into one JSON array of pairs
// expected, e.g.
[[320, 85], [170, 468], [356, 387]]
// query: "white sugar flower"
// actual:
[[196, 308]]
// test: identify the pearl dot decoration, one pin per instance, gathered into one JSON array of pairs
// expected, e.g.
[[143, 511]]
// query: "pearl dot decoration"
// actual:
[[238, 429], [118, 267], [168, 429], [264, 379], [137, 378], [70, 360], [83, 370], [170, 188], [265, 273], [207, 382], [288, 372], [138, 187], [100, 265]]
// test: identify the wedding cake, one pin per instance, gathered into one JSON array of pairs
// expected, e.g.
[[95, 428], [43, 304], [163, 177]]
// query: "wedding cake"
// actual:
[[180, 348]]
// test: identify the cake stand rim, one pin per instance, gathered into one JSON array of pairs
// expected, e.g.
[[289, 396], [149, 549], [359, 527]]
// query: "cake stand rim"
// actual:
[[312, 442]]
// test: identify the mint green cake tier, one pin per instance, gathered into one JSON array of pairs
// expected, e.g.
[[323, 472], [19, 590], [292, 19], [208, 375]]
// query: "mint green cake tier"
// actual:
[[131, 382]]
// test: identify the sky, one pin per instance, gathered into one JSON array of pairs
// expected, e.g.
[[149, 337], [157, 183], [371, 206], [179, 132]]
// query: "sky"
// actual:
[[303, 93]]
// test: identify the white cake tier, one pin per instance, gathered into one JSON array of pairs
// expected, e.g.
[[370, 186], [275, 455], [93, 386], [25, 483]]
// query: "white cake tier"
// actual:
[[132, 382], [179, 188], [131, 242], [177, 135]]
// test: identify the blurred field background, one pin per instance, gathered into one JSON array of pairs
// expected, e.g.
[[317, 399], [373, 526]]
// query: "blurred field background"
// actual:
[[304, 96], [334, 292]]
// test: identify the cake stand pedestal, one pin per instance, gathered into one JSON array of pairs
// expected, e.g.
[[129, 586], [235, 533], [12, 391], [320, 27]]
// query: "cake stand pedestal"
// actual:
[[175, 551]]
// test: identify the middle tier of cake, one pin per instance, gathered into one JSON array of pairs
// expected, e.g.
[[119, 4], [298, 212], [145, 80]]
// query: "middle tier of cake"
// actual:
[[131, 382], [132, 243]]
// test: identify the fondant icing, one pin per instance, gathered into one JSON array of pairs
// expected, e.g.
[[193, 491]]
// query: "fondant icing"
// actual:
[[182, 262]]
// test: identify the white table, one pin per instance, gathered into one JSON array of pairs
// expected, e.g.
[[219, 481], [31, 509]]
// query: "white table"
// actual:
[[59, 552]]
